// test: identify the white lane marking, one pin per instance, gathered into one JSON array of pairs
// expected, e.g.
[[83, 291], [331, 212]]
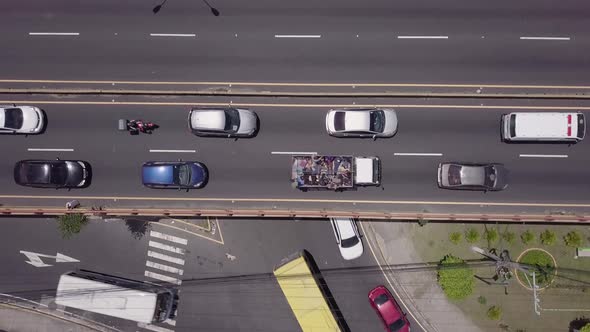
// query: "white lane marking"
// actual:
[[418, 154], [173, 35], [173, 151], [153, 327], [169, 237], [545, 38], [543, 155], [166, 258], [166, 247], [54, 150], [422, 37], [170, 321], [54, 33], [287, 152], [298, 36], [162, 277], [389, 281], [163, 267]]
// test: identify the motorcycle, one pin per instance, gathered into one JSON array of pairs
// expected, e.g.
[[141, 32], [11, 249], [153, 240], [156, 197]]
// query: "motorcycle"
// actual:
[[134, 127]]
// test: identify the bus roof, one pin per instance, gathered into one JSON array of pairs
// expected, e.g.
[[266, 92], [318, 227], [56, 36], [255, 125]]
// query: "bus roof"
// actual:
[[305, 297], [106, 299]]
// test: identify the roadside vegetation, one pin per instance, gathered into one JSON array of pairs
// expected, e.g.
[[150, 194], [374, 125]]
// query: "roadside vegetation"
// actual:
[[71, 224], [455, 277]]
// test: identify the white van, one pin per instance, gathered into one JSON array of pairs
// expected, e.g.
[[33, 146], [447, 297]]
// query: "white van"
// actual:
[[541, 126]]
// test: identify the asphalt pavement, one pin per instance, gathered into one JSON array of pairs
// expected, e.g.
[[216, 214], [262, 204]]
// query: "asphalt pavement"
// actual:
[[255, 172], [526, 42]]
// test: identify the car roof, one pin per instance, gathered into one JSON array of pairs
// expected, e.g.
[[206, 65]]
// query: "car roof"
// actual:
[[389, 310], [357, 121], [213, 119], [472, 175], [552, 124], [158, 174], [346, 227]]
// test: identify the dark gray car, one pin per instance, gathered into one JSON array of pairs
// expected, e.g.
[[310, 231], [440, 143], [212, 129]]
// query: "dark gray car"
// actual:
[[52, 173], [468, 176]]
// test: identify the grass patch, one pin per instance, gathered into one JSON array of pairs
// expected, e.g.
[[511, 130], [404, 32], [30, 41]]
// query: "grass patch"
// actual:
[[71, 224], [455, 278], [455, 237], [541, 263], [472, 235]]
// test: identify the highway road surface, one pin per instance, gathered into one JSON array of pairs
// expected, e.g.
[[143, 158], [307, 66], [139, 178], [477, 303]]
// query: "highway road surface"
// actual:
[[459, 41], [256, 172]]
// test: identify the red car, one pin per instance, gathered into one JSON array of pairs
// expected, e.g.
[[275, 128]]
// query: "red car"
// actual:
[[388, 310]]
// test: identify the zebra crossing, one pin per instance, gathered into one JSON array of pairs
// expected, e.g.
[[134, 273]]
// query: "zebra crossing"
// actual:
[[165, 262]]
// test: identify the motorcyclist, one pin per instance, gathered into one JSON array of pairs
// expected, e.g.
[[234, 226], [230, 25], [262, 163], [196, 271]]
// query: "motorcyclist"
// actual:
[[142, 126]]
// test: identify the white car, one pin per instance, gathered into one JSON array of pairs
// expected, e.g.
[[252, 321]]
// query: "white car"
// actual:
[[359, 122], [347, 237], [223, 122], [21, 119]]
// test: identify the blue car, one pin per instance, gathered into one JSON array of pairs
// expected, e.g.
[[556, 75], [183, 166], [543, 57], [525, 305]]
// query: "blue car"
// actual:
[[174, 174]]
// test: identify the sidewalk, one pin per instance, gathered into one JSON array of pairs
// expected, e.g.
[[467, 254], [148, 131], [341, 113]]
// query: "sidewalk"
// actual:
[[16, 318], [418, 290]]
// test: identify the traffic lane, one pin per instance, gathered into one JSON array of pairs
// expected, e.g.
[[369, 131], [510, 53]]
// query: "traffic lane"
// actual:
[[326, 59], [259, 246], [424, 16]]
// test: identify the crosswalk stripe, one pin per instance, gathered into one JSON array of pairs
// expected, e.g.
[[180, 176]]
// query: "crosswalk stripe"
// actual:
[[153, 327], [164, 267], [169, 237], [166, 258], [162, 277], [166, 247]]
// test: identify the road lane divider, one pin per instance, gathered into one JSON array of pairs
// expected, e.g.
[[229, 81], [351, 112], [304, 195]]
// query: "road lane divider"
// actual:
[[172, 151], [546, 38], [54, 33], [422, 37], [543, 155], [173, 35], [418, 154], [292, 153], [298, 36], [49, 150]]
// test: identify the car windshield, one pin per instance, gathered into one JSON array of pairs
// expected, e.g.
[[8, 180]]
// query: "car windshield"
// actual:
[[350, 242], [381, 299], [397, 325], [182, 175], [454, 175], [232, 120], [13, 118], [339, 121], [59, 174], [490, 176], [377, 119]]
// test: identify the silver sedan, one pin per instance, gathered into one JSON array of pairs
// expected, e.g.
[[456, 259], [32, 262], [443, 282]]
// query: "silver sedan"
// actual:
[[223, 122], [358, 122], [466, 176]]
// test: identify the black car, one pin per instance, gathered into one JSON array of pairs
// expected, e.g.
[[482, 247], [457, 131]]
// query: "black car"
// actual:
[[52, 173]]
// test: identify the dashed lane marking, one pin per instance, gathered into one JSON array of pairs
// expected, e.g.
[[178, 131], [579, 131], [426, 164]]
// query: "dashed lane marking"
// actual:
[[172, 151], [546, 38], [166, 258], [422, 37], [170, 238], [173, 35], [54, 33], [418, 154], [298, 36], [166, 247], [543, 155], [49, 149]]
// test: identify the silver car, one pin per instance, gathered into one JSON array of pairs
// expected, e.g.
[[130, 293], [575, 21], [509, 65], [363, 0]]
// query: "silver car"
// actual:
[[21, 119], [347, 237], [358, 122], [223, 122], [466, 176]]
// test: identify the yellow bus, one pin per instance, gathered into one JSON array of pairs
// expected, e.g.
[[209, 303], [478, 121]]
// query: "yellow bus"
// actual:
[[308, 297]]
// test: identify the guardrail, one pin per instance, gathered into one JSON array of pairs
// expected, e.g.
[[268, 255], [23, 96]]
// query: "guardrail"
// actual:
[[292, 213]]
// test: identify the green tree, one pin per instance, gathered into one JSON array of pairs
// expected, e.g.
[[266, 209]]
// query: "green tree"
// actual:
[[472, 235], [509, 237], [585, 328], [573, 239], [482, 300], [548, 237], [455, 237], [71, 224], [494, 312], [491, 235], [527, 237], [455, 277]]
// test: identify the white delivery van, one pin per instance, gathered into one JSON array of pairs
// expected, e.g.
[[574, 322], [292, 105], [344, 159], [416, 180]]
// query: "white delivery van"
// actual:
[[543, 127]]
